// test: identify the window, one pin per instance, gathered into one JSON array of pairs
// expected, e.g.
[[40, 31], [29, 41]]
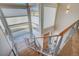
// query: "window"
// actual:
[[49, 16], [35, 19]]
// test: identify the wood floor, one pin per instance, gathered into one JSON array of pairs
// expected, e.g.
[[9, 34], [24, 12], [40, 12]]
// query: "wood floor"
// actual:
[[29, 52], [72, 46]]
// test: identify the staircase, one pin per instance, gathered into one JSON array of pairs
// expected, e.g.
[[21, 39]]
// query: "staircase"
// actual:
[[72, 46]]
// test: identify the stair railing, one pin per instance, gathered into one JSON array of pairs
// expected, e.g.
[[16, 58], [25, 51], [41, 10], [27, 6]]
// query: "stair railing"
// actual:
[[56, 43], [68, 33]]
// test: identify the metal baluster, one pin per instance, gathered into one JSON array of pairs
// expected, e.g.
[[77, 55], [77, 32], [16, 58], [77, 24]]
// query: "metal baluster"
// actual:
[[49, 44], [36, 41], [29, 18], [58, 46], [77, 25]]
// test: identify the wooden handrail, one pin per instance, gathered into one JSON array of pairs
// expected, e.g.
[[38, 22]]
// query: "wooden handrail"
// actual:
[[61, 33], [65, 30], [44, 36]]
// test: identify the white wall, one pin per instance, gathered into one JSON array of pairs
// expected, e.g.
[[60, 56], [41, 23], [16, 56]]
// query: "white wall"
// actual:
[[63, 20], [4, 46]]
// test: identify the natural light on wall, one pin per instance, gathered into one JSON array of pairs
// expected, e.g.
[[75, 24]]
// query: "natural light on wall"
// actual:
[[67, 9]]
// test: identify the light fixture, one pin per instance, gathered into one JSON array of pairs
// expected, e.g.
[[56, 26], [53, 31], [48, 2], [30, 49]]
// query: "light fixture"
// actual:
[[67, 9]]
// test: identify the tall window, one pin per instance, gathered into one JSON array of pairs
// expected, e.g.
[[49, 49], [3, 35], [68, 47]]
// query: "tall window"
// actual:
[[35, 19], [49, 17], [17, 20]]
